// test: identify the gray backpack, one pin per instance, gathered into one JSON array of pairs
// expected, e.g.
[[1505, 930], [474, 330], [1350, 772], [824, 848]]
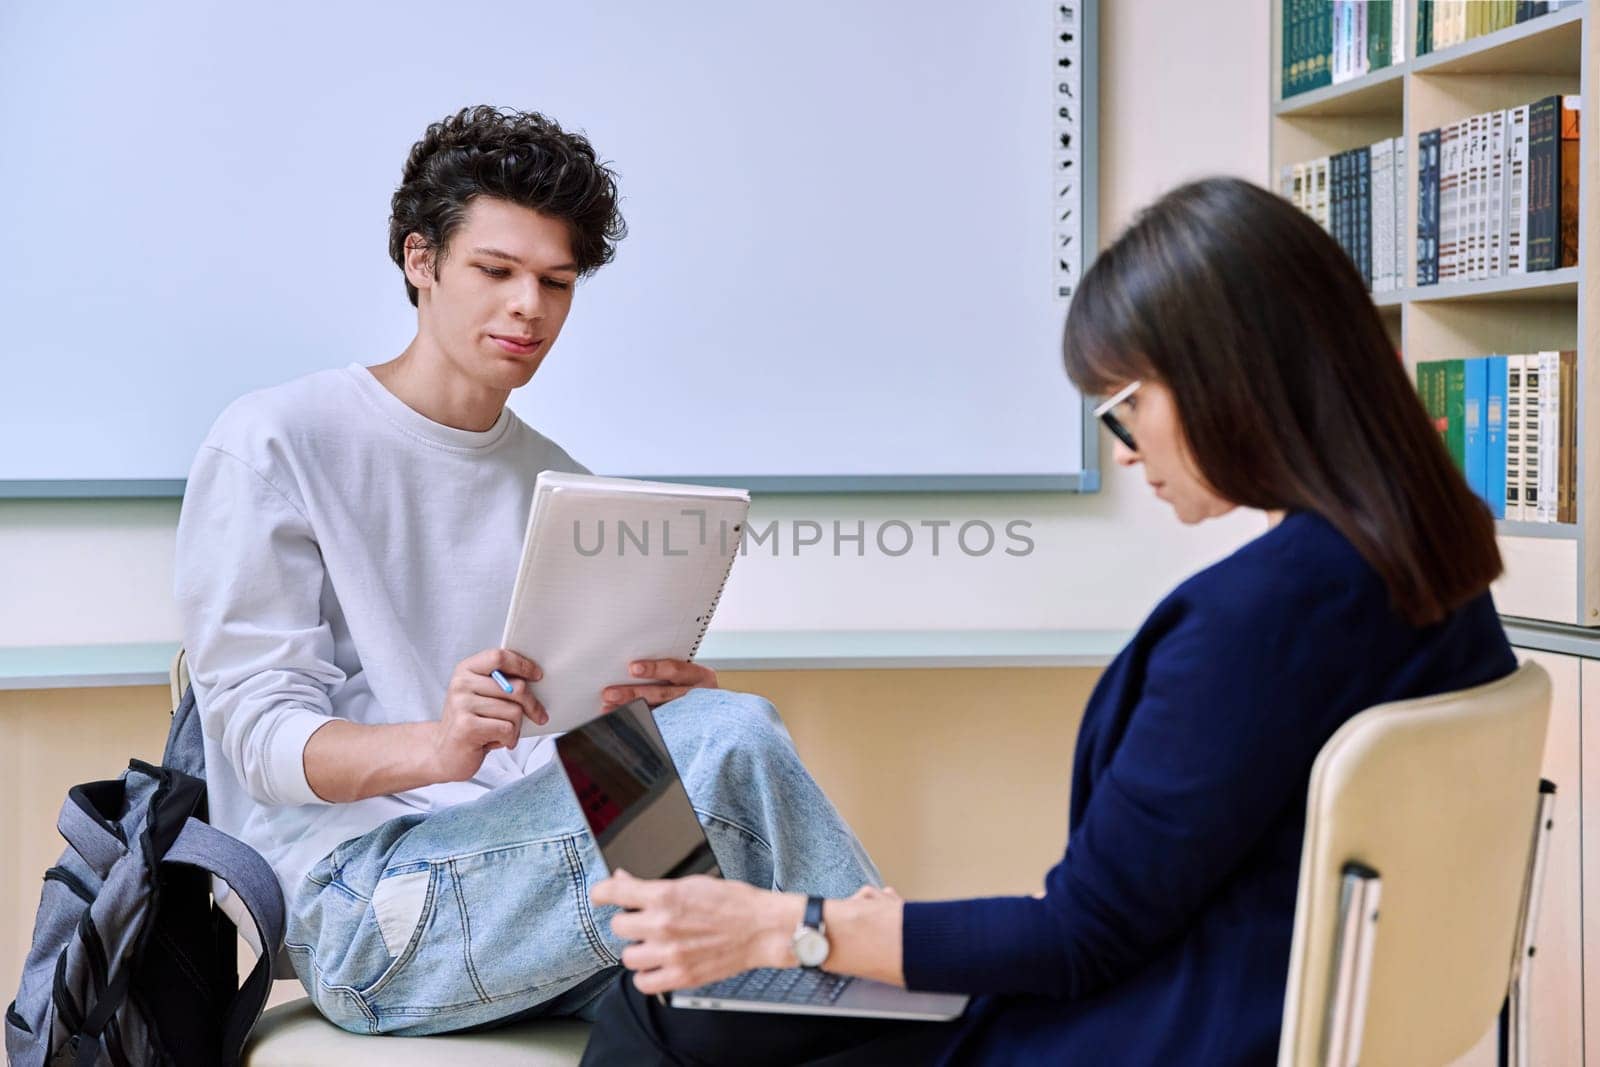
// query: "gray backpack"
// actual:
[[132, 963]]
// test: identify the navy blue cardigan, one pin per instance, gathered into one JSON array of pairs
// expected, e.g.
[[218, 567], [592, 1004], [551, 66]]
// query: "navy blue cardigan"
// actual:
[[1163, 936]]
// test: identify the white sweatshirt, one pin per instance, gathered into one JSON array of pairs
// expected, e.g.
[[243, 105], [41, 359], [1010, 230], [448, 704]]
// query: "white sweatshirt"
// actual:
[[338, 554]]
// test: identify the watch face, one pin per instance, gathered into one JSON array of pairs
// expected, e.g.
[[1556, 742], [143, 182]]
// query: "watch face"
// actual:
[[810, 947]]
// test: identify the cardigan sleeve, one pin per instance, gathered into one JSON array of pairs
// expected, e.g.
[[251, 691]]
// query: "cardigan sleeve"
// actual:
[[1226, 725]]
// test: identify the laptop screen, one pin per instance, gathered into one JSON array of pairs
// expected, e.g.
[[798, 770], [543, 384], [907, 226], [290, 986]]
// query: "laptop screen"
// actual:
[[625, 783]]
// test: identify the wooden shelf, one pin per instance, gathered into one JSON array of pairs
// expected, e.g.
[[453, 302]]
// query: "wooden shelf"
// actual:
[[1541, 285], [1380, 93], [1549, 44], [1559, 531]]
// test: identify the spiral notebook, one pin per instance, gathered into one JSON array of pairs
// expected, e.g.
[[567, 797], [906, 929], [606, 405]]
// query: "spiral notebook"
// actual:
[[614, 570]]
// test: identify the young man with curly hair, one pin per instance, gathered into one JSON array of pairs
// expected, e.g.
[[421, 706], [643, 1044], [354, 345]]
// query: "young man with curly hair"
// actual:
[[344, 560]]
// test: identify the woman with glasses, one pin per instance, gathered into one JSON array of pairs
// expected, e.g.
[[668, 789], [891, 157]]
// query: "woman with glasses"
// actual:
[[1242, 365]]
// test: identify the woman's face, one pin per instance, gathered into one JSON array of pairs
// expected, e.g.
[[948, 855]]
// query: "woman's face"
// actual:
[[1152, 419]]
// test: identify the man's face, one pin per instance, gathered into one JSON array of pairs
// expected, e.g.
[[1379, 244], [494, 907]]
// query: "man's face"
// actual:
[[508, 278]]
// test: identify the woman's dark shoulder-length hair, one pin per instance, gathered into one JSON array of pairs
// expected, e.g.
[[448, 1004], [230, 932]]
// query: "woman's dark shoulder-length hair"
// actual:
[[1287, 387]]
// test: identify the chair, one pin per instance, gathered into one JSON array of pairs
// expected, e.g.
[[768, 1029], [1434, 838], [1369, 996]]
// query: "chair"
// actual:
[[296, 1035], [1434, 805]]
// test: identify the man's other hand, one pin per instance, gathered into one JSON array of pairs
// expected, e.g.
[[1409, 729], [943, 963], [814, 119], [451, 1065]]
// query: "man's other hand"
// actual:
[[658, 681]]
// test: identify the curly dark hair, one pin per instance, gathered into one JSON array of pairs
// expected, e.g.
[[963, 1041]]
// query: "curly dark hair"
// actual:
[[519, 156]]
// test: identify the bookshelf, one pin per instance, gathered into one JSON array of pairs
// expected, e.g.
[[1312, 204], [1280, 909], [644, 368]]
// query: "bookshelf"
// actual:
[[1552, 570]]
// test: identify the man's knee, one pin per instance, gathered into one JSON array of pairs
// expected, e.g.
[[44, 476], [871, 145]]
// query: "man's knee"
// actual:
[[719, 720]]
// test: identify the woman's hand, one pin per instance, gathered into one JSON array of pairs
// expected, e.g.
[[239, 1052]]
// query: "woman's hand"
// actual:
[[691, 931], [660, 680]]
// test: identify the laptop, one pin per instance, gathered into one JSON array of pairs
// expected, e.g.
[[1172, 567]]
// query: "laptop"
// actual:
[[625, 782]]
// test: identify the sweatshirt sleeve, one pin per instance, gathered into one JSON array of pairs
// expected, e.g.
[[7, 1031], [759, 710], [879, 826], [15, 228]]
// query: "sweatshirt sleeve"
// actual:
[[248, 583], [1215, 748]]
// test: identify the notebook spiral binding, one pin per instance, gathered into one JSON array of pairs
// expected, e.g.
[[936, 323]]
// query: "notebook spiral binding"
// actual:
[[705, 620]]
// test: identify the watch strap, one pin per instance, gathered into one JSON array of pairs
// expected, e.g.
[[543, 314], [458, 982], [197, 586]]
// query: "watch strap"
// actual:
[[813, 917]]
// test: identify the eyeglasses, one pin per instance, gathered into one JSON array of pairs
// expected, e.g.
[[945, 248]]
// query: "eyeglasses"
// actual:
[[1106, 413]]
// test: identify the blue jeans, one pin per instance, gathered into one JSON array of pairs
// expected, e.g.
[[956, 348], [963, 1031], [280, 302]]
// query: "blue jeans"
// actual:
[[467, 916]]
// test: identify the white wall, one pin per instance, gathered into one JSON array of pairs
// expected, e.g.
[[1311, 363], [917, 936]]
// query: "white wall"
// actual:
[[1183, 93]]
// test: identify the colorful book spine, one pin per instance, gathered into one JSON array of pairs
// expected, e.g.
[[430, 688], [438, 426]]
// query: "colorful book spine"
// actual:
[[1455, 383], [1319, 44], [1363, 213], [1477, 189], [1495, 228], [1549, 434], [1516, 396], [1517, 190], [1380, 22], [1532, 439], [1474, 440], [1544, 189], [1424, 27], [1431, 390], [1382, 181], [1494, 434], [1398, 189], [1428, 207], [1567, 474], [1450, 145], [1337, 200], [1319, 193], [1567, 181]]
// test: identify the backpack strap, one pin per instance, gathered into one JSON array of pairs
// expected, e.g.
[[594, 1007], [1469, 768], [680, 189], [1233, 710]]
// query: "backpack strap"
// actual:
[[99, 842], [249, 876]]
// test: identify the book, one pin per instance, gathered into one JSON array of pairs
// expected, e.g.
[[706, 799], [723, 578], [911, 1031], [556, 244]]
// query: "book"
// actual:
[[1474, 441], [1532, 439], [1516, 367], [1441, 384], [1544, 190], [1495, 205], [1363, 213], [1549, 434], [1319, 191], [1516, 195], [1450, 146], [1428, 207], [1494, 434], [1319, 44], [615, 570], [1567, 181], [1455, 381], [1431, 390], [1338, 200], [1567, 467], [1288, 48], [1399, 187], [1470, 239], [1424, 27], [1382, 183]]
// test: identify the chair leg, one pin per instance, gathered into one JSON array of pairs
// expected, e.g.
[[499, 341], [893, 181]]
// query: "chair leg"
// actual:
[[1514, 1027], [1352, 965]]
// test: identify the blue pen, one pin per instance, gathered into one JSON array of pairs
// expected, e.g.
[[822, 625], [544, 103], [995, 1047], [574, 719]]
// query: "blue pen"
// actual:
[[497, 676]]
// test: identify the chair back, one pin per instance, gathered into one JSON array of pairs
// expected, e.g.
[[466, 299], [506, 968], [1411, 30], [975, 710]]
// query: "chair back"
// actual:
[[178, 675], [1438, 798]]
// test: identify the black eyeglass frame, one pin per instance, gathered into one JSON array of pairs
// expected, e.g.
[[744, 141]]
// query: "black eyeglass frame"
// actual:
[[1105, 412]]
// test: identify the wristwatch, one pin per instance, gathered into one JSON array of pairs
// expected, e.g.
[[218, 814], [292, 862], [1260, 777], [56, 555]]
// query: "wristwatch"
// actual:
[[811, 936]]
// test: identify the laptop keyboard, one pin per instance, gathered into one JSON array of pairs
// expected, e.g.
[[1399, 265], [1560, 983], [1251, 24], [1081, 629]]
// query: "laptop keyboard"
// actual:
[[772, 985]]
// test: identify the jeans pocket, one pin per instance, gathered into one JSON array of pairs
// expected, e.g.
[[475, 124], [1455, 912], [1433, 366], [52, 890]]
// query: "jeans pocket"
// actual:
[[530, 924], [402, 904]]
